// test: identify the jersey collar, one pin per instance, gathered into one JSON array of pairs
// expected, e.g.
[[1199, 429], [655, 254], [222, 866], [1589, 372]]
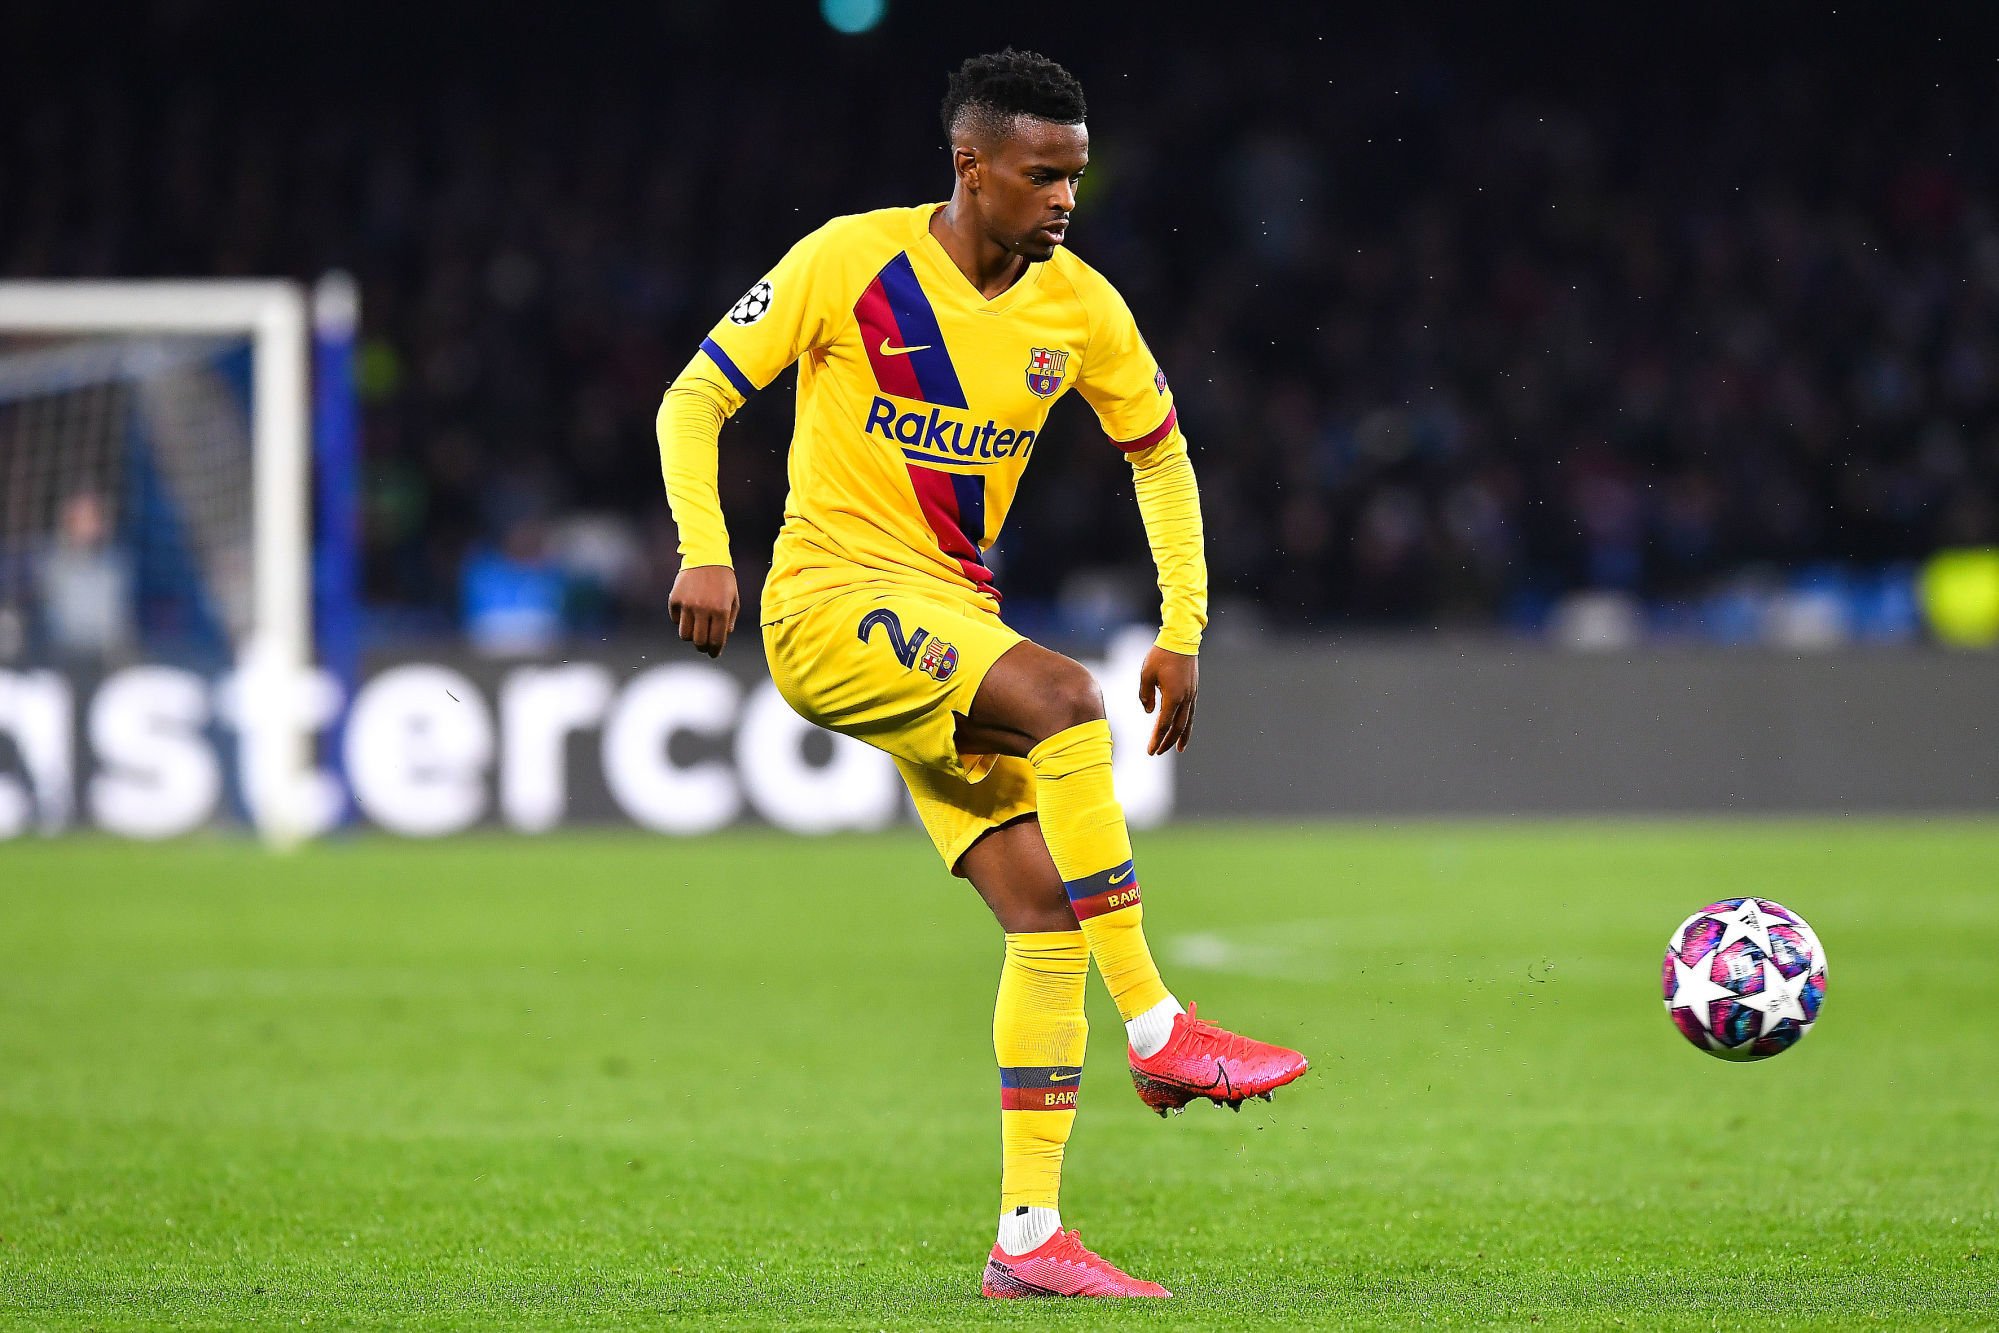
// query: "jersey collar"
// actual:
[[951, 284]]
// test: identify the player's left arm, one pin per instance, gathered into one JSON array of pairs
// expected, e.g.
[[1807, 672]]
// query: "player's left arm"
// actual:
[[1125, 385], [1170, 504]]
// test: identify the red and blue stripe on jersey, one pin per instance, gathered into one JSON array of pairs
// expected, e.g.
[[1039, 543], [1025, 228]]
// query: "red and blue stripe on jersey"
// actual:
[[954, 505], [906, 349], [894, 315]]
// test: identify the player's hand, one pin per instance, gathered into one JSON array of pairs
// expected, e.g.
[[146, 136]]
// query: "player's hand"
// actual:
[[1170, 680], [703, 605]]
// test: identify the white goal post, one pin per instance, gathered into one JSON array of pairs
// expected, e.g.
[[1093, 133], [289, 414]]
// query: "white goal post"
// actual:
[[275, 656]]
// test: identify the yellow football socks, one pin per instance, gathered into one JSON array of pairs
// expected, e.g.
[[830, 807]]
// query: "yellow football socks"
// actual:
[[1083, 826], [1038, 1035]]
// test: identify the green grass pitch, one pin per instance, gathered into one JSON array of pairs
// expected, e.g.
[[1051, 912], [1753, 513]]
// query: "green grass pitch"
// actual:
[[601, 1081]]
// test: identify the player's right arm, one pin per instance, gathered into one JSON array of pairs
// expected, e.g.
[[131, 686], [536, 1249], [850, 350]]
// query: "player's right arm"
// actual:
[[782, 317]]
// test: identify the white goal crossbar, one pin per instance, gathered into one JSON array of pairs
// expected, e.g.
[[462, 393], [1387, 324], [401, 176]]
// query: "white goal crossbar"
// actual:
[[278, 652]]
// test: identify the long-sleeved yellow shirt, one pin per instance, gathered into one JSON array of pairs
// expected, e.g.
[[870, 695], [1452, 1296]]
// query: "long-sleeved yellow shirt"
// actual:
[[920, 403]]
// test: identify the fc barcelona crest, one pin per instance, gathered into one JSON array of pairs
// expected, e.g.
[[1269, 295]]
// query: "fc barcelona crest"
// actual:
[[1044, 371], [939, 659]]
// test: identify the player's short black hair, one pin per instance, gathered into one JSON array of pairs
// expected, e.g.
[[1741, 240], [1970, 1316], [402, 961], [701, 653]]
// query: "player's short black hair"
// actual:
[[988, 91]]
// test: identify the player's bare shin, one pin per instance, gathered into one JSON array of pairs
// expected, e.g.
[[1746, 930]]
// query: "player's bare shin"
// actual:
[[1015, 875]]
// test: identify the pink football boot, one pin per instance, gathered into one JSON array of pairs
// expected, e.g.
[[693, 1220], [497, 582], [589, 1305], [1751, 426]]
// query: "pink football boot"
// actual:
[[1202, 1060], [1059, 1267]]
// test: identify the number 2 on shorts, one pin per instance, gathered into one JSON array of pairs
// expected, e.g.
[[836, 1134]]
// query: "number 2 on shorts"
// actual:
[[905, 649]]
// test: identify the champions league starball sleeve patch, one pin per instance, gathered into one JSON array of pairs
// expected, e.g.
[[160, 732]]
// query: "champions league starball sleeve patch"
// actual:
[[754, 305]]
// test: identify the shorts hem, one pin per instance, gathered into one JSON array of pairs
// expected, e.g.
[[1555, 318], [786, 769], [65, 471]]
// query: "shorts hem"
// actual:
[[972, 836], [976, 772]]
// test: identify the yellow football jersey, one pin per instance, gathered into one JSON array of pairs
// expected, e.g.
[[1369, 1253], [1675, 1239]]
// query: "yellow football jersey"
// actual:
[[920, 403]]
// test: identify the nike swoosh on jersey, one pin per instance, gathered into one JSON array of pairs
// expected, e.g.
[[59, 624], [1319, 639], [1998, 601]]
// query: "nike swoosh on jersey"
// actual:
[[886, 350]]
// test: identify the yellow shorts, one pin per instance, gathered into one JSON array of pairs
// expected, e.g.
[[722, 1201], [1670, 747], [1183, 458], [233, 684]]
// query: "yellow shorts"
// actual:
[[896, 669]]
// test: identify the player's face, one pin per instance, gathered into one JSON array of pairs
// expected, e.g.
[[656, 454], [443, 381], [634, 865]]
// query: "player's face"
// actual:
[[1028, 186]]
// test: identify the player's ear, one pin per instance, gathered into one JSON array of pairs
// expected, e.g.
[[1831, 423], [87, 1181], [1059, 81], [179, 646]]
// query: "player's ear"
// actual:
[[967, 162]]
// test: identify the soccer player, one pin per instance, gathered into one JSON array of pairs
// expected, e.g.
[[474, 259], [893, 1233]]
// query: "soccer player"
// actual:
[[930, 344]]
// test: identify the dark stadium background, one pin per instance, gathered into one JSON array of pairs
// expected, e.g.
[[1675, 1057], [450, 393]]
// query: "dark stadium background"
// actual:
[[1467, 308], [1596, 409]]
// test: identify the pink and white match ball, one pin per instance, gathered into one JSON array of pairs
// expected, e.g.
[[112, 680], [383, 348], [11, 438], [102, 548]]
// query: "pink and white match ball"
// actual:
[[1744, 978]]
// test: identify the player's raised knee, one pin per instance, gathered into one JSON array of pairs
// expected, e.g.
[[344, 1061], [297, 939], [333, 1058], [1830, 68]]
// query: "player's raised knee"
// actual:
[[1070, 698]]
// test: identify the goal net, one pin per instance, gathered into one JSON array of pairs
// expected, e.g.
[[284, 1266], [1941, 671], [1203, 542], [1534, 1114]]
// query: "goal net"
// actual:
[[155, 501], [125, 508]]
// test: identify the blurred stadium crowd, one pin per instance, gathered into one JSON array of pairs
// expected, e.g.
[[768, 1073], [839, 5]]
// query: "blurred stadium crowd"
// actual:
[[1468, 330]]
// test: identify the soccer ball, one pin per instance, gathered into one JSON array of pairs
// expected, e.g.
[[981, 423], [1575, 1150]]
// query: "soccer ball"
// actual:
[[1744, 978]]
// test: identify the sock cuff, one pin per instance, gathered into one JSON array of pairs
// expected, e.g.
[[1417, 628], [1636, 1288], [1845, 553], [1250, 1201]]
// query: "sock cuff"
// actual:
[[1072, 750], [1050, 950], [1025, 1228]]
